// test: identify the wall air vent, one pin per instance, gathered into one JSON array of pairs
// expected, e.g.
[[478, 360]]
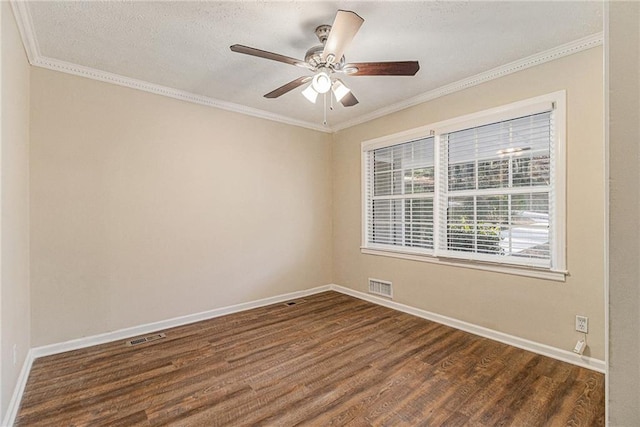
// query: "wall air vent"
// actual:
[[142, 340], [295, 302], [380, 287]]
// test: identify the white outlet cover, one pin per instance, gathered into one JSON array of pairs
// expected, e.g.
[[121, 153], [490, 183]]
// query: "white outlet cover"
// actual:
[[582, 324]]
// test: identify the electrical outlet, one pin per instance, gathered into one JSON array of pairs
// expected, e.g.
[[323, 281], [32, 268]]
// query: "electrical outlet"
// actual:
[[582, 324]]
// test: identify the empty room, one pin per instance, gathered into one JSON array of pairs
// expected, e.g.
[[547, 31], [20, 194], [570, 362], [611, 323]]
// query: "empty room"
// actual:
[[319, 213]]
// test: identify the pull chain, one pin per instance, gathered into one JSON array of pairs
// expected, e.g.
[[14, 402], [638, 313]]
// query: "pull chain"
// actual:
[[324, 122]]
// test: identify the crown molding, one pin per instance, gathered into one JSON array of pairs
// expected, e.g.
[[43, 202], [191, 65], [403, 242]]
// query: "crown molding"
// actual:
[[104, 76], [25, 26], [501, 71]]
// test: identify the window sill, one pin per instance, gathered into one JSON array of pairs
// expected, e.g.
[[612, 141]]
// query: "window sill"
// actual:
[[538, 273]]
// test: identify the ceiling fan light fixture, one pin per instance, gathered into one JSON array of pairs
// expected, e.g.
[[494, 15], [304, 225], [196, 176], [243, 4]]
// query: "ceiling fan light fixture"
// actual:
[[339, 90], [327, 58], [310, 93], [321, 82]]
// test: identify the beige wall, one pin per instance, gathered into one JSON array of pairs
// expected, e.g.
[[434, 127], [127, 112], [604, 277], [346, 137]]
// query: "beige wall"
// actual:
[[538, 310], [14, 206], [145, 208], [624, 221]]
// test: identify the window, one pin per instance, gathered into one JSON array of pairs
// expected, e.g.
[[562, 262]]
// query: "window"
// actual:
[[485, 188], [401, 195]]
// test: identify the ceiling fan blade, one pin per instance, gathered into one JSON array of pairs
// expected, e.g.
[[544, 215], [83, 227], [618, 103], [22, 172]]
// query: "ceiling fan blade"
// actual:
[[399, 68], [349, 100], [288, 87], [268, 55], [344, 28]]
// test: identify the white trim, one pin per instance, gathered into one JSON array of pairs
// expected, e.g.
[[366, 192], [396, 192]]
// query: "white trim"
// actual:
[[25, 27], [364, 175], [535, 347], [559, 190], [121, 334], [558, 52], [421, 132], [545, 274], [104, 76], [14, 403], [1, 215], [29, 39], [514, 110], [607, 213]]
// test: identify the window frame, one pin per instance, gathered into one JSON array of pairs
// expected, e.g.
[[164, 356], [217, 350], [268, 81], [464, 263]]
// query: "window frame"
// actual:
[[554, 102]]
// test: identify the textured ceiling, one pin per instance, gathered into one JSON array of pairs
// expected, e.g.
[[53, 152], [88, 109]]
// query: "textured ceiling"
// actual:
[[185, 45]]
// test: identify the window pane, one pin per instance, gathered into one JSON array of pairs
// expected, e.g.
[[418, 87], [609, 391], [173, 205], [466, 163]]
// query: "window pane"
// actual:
[[474, 224], [398, 155], [514, 225], [381, 211], [382, 183], [419, 180], [397, 182], [399, 173], [529, 233], [462, 176], [461, 224], [381, 162], [493, 210], [513, 153], [419, 222], [531, 170], [424, 180], [492, 218], [386, 222], [493, 173]]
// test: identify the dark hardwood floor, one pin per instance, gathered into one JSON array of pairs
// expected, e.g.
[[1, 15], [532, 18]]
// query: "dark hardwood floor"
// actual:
[[328, 360]]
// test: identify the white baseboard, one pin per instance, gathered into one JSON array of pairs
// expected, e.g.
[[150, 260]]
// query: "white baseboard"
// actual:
[[535, 347], [539, 348], [47, 350], [121, 334], [14, 403]]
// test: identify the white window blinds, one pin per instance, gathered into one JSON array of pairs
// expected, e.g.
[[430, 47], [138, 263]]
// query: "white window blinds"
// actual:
[[495, 189], [400, 192]]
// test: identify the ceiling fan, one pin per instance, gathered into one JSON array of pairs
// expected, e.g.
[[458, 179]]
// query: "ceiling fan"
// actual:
[[326, 59]]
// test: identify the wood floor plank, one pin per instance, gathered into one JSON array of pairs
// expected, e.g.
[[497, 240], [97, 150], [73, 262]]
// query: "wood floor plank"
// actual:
[[329, 359]]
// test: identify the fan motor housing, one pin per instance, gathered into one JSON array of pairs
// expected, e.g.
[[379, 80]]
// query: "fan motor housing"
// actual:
[[314, 58], [314, 55]]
